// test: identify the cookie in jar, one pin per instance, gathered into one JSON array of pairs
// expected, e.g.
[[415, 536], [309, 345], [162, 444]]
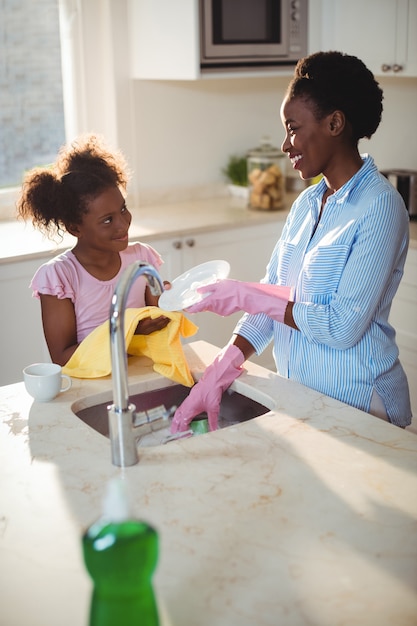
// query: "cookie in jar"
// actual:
[[265, 177]]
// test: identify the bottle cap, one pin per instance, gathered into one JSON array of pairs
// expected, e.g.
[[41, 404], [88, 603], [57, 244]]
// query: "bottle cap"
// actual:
[[115, 502]]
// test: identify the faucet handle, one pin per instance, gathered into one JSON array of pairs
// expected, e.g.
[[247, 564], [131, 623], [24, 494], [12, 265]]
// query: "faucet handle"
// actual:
[[157, 417]]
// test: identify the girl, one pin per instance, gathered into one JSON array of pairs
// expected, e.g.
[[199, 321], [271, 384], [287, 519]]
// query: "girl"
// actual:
[[84, 193]]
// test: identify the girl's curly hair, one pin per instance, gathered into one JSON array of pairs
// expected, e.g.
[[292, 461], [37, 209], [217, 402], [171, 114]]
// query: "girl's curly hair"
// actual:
[[336, 81], [57, 197]]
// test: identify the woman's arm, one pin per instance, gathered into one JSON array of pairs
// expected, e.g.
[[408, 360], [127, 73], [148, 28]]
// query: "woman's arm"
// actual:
[[244, 346], [59, 327]]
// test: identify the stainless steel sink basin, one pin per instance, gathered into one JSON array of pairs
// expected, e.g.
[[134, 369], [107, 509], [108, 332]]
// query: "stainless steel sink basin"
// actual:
[[234, 409]]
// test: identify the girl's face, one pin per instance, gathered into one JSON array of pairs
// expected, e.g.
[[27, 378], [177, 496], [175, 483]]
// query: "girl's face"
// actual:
[[308, 141], [106, 224]]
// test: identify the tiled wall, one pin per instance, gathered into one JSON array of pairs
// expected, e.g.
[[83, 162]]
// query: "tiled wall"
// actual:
[[31, 105]]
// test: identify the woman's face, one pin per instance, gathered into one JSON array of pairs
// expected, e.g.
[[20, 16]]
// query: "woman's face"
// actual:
[[105, 225], [308, 141]]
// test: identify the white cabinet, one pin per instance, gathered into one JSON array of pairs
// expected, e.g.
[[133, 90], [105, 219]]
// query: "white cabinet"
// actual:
[[164, 36], [165, 40], [21, 336], [382, 33], [247, 249], [404, 319]]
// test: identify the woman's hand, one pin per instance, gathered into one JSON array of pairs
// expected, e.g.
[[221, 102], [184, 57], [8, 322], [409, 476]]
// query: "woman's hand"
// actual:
[[206, 395]]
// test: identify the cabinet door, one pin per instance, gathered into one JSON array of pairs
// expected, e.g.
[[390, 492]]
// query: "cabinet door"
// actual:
[[246, 248], [22, 341], [164, 39], [171, 253], [376, 31]]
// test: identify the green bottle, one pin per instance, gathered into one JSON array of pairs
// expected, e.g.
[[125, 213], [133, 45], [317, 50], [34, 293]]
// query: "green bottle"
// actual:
[[121, 554]]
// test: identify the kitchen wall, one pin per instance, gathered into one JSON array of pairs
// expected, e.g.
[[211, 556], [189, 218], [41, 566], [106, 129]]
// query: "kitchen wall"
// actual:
[[185, 131]]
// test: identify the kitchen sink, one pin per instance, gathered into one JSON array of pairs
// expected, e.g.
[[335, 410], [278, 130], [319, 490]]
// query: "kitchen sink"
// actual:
[[151, 421]]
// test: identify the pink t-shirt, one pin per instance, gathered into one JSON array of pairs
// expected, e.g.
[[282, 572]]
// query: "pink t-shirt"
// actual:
[[64, 277]]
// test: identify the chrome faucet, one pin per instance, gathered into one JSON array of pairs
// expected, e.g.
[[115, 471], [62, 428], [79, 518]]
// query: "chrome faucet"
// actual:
[[123, 444]]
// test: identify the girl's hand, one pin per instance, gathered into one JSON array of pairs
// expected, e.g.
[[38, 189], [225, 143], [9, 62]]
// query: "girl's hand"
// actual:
[[152, 300], [149, 325]]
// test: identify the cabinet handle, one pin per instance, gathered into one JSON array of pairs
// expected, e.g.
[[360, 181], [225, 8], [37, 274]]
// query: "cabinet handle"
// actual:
[[177, 244], [397, 68], [190, 243], [385, 67]]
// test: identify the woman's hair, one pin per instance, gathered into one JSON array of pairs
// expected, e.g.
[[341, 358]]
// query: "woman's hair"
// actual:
[[57, 197], [336, 81]]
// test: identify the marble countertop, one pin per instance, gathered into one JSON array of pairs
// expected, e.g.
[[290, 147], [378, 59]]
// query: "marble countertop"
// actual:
[[164, 219], [304, 516]]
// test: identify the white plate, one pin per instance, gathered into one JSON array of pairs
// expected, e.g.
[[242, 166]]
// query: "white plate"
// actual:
[[183, 292]]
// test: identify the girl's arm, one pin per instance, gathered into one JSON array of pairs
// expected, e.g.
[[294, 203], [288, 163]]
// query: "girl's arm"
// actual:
[[149, 325], [59, 327]]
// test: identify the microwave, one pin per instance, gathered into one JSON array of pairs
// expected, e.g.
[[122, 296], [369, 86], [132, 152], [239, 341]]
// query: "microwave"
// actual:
[[245, 34]]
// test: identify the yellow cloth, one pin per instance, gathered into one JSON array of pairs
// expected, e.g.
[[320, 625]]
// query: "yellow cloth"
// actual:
[[92, 358]]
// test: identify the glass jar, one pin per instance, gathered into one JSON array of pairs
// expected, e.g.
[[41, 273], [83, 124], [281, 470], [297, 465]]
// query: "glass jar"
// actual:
[[265, 177]]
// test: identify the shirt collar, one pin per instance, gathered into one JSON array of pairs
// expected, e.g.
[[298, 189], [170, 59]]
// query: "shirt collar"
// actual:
[[344, 191]]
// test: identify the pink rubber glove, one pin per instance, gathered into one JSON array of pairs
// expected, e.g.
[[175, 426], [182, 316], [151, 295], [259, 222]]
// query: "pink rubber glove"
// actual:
[[206, 395], [228, 296]]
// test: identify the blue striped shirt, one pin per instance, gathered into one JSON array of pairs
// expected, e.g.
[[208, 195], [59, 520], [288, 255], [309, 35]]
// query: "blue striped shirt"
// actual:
[[345, 276]]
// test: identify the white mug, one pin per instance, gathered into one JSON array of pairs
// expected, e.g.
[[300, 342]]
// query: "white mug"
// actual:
[[44, 381]]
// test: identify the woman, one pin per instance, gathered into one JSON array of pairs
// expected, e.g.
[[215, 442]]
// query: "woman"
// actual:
[[327, 293]]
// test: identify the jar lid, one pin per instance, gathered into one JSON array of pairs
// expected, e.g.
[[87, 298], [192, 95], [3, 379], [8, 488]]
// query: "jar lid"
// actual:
[[266, 149]]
